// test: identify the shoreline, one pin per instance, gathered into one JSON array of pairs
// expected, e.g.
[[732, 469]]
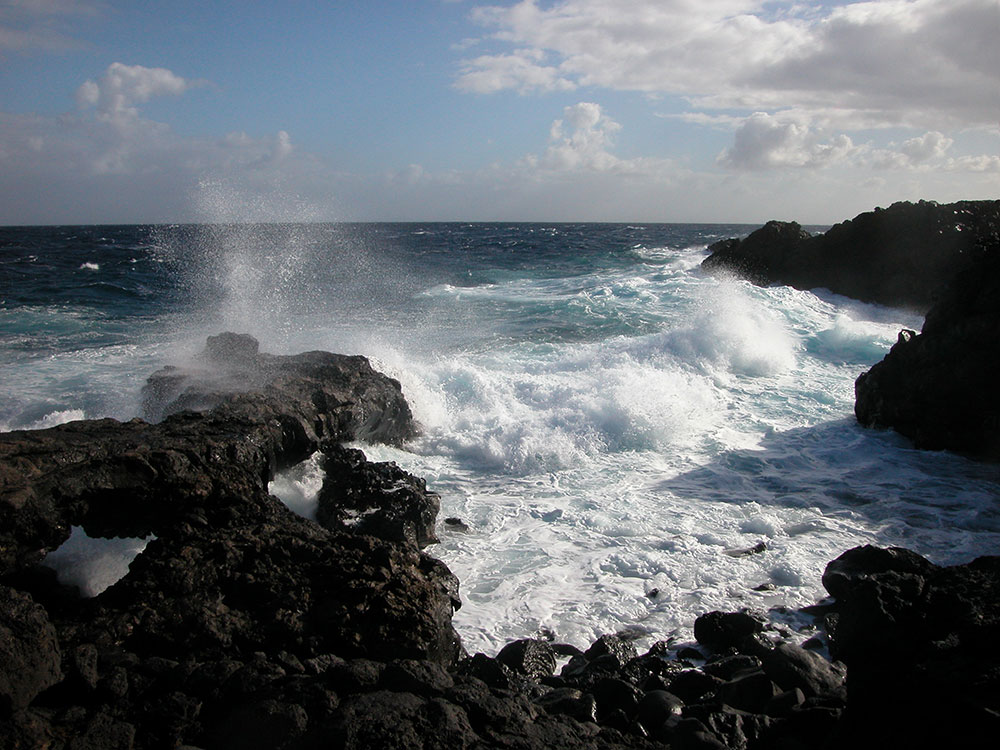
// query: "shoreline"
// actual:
[[248, 626]]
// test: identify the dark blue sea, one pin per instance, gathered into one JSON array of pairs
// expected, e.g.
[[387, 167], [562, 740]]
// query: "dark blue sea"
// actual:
[[612, 424]]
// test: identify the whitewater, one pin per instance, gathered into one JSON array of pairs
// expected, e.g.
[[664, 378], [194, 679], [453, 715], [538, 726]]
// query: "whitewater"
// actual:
[[628, 441]]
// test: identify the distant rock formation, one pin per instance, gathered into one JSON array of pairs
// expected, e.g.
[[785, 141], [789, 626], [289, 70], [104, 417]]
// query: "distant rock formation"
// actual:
[[900, 256], [941, 387]]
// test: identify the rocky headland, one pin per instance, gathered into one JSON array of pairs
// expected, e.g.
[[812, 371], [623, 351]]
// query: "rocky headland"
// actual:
[[901, 256], [244, 625]]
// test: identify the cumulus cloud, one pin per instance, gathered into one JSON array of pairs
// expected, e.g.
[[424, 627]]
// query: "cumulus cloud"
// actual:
[[788, 140], [581, 139], [108, 154], [116, 93], [581, 143], [928, 152], [892, 62], [763, 141]]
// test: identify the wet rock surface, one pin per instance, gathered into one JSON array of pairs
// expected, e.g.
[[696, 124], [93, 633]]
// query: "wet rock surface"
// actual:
[[242, 625], [901, 256], [939, 387]]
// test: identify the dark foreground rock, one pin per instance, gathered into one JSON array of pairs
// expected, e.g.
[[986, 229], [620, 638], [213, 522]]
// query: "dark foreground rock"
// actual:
[[939, 387], [922, 648], [900, 256], [241, 624], [234, 610]]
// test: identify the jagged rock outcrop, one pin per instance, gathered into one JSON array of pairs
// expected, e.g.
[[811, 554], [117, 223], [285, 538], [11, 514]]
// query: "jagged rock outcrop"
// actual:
[[899, 256], [379, 499], [83, 472], [915, 635], [236, 598], [939, 387]]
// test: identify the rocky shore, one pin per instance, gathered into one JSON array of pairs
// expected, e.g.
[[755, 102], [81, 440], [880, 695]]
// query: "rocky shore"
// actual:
[[937, 387], [244, 625]]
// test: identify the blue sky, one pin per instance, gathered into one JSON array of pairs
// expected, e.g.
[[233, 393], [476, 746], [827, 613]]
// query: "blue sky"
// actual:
[[603, 110]]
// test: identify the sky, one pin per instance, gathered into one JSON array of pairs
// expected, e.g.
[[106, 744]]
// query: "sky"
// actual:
[[439, 110]]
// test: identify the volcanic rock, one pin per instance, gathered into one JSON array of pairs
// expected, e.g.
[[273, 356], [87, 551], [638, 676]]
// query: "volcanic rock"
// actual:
[[209, 636], [939, 387], [378, 499], [721, 630], [90, 473], [900, 256], [912, 633]]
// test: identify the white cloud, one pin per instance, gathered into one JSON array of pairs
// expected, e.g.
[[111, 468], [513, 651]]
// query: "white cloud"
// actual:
[[116, 93], [580, 140], [929, 152], [763, 141], [523, 70], [986, 163], [930, 145], [929, 63]]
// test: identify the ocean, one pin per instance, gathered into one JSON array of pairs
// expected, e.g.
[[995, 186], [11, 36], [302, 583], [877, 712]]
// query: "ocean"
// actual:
[[630, 442]]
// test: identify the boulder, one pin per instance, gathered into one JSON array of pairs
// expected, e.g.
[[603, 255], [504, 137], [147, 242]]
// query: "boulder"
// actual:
[[530, 657], [378, 499], [721, 630], [791, 667], [913, 634]]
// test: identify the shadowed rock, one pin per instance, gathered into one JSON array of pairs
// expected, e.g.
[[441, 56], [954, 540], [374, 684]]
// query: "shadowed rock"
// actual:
[[913, 634], [900, 256], [939, 387]]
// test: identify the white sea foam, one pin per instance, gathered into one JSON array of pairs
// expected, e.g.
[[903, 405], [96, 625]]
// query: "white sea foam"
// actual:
[[93, 564], [90, 266], [298, 487], [52, 419], [605, 482]]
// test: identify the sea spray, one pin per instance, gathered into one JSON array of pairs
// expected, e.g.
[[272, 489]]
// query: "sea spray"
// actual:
[[93, 564], [608, 421]]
